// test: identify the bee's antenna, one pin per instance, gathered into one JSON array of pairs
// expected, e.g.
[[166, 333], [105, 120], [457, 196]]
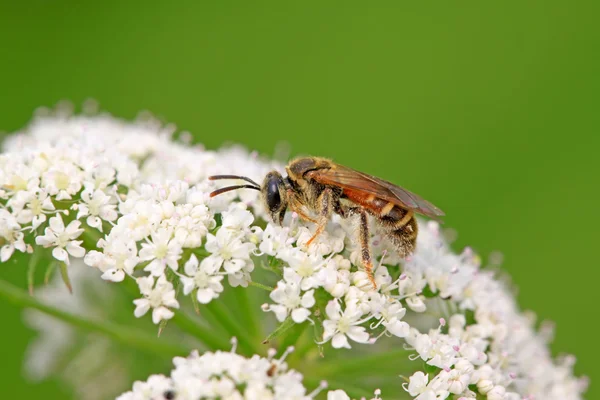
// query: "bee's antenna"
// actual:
[[216, 177], [228, 188]]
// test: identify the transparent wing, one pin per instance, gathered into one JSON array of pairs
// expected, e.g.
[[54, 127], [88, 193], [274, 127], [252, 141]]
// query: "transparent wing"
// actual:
[[345, 177]]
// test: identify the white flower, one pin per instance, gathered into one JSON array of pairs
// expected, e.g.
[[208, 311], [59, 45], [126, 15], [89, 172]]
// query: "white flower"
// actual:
[[140, 217], [32, 206], [162, 250], [334, 278], [151, 192], [226, 375], [203, 277], [97, 206], [330, 241], [191, 224], [305, 265], [276, 239], [62, 239], [343, 323], [290, 299], [63, 180], [98, 177], [391, 317], [118, 257], [417, 383], [337, 395], [229, 250], [11, 237], [237, 217], [159, 297]]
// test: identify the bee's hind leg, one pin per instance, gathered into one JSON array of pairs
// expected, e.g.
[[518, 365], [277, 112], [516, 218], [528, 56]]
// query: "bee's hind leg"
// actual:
[[325, 202], [365, 250]]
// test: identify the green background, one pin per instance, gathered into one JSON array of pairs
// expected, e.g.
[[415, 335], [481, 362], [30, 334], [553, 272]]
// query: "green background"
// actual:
[[488, 109]]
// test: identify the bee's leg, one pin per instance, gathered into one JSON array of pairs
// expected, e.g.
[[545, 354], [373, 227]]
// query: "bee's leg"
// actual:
[[365, 250], [296, 206], [325, 202]]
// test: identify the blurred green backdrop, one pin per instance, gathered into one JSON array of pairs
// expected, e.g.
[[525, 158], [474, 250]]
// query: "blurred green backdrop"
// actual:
[[488, 109]]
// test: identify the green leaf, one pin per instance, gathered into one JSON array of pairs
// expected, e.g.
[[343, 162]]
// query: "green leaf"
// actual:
[[64, 273], [162, 325], [195, 302], [128, 336], [49, 271], [261, 286]]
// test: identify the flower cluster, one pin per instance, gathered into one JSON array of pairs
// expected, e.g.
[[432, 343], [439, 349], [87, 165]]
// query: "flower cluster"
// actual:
[[227, 375], [134, 204], [487, 345]]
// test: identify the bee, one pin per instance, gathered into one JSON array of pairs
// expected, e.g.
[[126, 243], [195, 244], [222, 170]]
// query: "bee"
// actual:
[[321, 187]]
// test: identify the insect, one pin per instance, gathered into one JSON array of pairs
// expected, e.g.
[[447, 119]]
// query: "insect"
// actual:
[[320, 186]]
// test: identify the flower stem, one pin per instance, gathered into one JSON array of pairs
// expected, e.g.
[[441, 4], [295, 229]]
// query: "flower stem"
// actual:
[[287, 324], [261, 286], [131, 337]]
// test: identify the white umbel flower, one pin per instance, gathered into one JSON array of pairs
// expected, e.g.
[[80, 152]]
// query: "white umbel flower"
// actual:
[[161, 250], [227, 375], [11, 235], [203, 277], [290, 300], [62, 239], [142, 202], [158, 296], [343, 324]]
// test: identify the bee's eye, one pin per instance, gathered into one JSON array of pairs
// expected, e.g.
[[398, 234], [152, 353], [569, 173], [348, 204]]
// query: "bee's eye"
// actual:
[[273, 197]]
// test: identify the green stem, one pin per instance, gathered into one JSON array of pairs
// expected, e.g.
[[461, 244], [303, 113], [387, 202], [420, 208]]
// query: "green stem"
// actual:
[[283, 327], [261, 286], [131, 337]]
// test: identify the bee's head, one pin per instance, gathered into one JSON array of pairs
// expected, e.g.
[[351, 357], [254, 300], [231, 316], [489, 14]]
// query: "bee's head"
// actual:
[[273, 192], [274, 196]]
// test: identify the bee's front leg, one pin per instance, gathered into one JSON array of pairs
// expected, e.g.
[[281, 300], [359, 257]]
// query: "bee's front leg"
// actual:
[[296, 206], [325, 203]]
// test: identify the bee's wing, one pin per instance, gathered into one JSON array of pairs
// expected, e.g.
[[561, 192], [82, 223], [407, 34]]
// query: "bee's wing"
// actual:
[[345, 177]]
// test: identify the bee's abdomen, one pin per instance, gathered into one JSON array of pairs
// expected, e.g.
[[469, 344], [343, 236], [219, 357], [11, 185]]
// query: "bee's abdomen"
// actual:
[[401, 227]]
